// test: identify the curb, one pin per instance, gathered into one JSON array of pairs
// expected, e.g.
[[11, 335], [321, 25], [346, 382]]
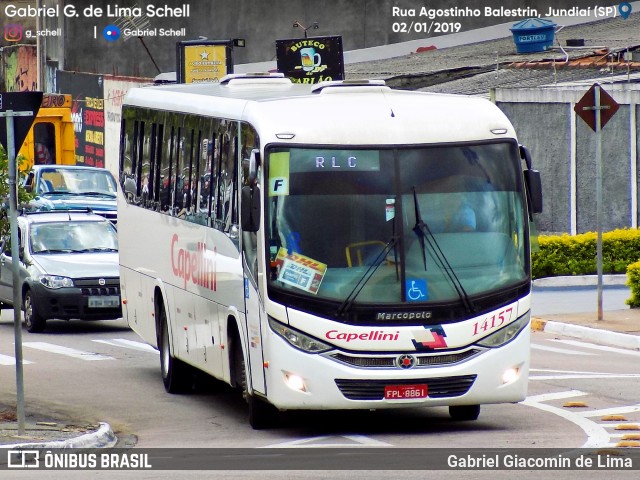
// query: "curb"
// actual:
[[103, 437], [618, 280], [606, 337]]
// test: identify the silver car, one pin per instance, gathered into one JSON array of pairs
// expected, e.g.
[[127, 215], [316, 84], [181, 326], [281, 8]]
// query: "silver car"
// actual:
[[68, 268]]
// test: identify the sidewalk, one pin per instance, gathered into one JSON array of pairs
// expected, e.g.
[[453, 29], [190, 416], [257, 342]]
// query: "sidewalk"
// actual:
[[618, 328]]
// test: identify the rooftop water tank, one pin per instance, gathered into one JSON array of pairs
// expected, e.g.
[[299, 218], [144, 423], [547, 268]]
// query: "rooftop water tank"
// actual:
[[533, 35]]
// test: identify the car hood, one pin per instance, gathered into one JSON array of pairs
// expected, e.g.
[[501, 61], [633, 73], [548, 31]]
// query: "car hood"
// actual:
[[70, 202], [78, 265]]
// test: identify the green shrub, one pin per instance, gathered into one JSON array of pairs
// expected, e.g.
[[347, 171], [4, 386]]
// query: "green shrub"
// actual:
[[576, 254], [633, 281]]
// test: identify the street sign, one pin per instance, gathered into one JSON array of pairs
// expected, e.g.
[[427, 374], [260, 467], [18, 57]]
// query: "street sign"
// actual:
[[19, 102], [586, 107]]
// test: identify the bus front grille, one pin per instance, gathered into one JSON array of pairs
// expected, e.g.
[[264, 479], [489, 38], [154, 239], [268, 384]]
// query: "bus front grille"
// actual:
[[390, 361], [441, 387]]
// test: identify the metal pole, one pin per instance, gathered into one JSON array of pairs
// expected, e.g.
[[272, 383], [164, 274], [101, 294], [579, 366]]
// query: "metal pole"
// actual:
[[15, 263], [598, 118]]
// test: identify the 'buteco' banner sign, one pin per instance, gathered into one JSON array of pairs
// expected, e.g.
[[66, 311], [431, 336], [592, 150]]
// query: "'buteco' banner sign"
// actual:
[[311, 60]]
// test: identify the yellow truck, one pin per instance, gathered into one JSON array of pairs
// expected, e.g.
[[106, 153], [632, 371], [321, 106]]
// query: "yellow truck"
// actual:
[[51, 138]]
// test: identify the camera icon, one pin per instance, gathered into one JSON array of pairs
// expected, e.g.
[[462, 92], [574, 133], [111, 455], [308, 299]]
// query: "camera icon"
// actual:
[[13, 32]]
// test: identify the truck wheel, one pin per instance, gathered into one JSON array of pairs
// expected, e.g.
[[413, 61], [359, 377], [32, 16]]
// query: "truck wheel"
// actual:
[[34, 322]]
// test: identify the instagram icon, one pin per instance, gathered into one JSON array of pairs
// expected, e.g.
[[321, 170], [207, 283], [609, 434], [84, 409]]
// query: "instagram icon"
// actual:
[[13, 32]]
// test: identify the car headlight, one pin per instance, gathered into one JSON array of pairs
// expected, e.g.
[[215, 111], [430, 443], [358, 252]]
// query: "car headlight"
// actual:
[[55, 281], [298, 339], [506, 334]]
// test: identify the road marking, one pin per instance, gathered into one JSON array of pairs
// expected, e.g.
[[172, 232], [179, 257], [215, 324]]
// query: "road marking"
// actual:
[[593, 346], [597, 436], [69, 352], [545, 397], [611, 411], [331, 441], [559, 350], [122, 342], [591, 376], [7, 360]]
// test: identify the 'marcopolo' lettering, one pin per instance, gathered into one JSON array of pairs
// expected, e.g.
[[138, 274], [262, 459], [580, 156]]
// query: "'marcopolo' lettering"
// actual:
[[403, 316]]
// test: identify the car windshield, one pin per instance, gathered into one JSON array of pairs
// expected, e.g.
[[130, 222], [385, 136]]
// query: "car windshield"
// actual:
[[73, 236], [76, 181], [395, 226]]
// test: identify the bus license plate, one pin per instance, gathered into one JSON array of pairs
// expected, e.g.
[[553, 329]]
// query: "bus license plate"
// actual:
[[109, 301], [404, 392]]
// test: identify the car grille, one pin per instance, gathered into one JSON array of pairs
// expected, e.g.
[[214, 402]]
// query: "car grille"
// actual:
[[92, 287], [441, 387], [389, 361]]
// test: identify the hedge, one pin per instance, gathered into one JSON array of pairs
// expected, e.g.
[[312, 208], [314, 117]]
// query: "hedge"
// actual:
[[576, 255]]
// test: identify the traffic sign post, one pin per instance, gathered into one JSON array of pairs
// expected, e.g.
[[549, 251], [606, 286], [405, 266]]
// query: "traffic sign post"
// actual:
[[12, 138], [596, 108]]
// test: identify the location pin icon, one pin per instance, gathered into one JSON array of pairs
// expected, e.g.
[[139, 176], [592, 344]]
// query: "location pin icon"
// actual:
[[625, 9]]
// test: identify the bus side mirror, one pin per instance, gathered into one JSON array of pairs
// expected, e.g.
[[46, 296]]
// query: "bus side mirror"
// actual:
[[534, 188], [250, 208], [254, 164]]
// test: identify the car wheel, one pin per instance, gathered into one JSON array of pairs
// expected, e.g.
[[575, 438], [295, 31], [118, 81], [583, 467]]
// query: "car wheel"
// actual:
[[175, 373], [464, 412], [261, 414], [34, 322]]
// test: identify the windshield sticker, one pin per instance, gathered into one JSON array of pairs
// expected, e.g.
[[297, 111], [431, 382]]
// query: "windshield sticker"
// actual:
[[390, 209], [416, 290], [430, 338], [300, 271], [279, 174]]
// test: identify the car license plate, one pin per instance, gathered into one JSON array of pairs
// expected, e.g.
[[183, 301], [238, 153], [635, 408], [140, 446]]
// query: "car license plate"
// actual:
[[404, 392], [109, 301]]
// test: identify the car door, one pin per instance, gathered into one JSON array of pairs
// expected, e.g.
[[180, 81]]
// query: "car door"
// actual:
[[6, 268], [6, 273]]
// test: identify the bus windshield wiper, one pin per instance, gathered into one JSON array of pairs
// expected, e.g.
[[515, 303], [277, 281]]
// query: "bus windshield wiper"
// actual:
[[349, 299], [422, 230]]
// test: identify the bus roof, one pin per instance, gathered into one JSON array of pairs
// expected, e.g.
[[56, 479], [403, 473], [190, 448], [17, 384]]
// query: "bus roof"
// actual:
[[352, 113]]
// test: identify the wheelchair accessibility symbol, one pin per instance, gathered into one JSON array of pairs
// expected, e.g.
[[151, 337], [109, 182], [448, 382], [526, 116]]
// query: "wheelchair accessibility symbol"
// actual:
[[416, 290]]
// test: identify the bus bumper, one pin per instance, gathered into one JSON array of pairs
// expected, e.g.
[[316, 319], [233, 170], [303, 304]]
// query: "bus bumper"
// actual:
[[297, 380]]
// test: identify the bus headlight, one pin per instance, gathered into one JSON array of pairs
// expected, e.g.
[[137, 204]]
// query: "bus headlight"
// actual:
[[55, 281], [298, 339], [505, 334]]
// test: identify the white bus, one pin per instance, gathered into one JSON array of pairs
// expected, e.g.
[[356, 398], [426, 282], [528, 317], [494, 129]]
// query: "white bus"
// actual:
[[333, 246]]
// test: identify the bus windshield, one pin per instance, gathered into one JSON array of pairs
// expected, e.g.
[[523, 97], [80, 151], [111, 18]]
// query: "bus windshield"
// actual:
[[394, 227]]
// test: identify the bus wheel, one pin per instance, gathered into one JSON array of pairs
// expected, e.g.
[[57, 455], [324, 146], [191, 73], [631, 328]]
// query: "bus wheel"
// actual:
[[34, 322], [174, 373], [464, 412], [261, 414]]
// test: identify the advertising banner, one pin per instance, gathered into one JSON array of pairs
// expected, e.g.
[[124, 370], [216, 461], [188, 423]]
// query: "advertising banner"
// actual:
[[311, 60], [203, 61], [87, 112]]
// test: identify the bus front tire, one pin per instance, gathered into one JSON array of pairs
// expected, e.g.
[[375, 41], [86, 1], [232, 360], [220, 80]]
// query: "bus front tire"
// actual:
[[174, 372], [261, 414], [464, 412]]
